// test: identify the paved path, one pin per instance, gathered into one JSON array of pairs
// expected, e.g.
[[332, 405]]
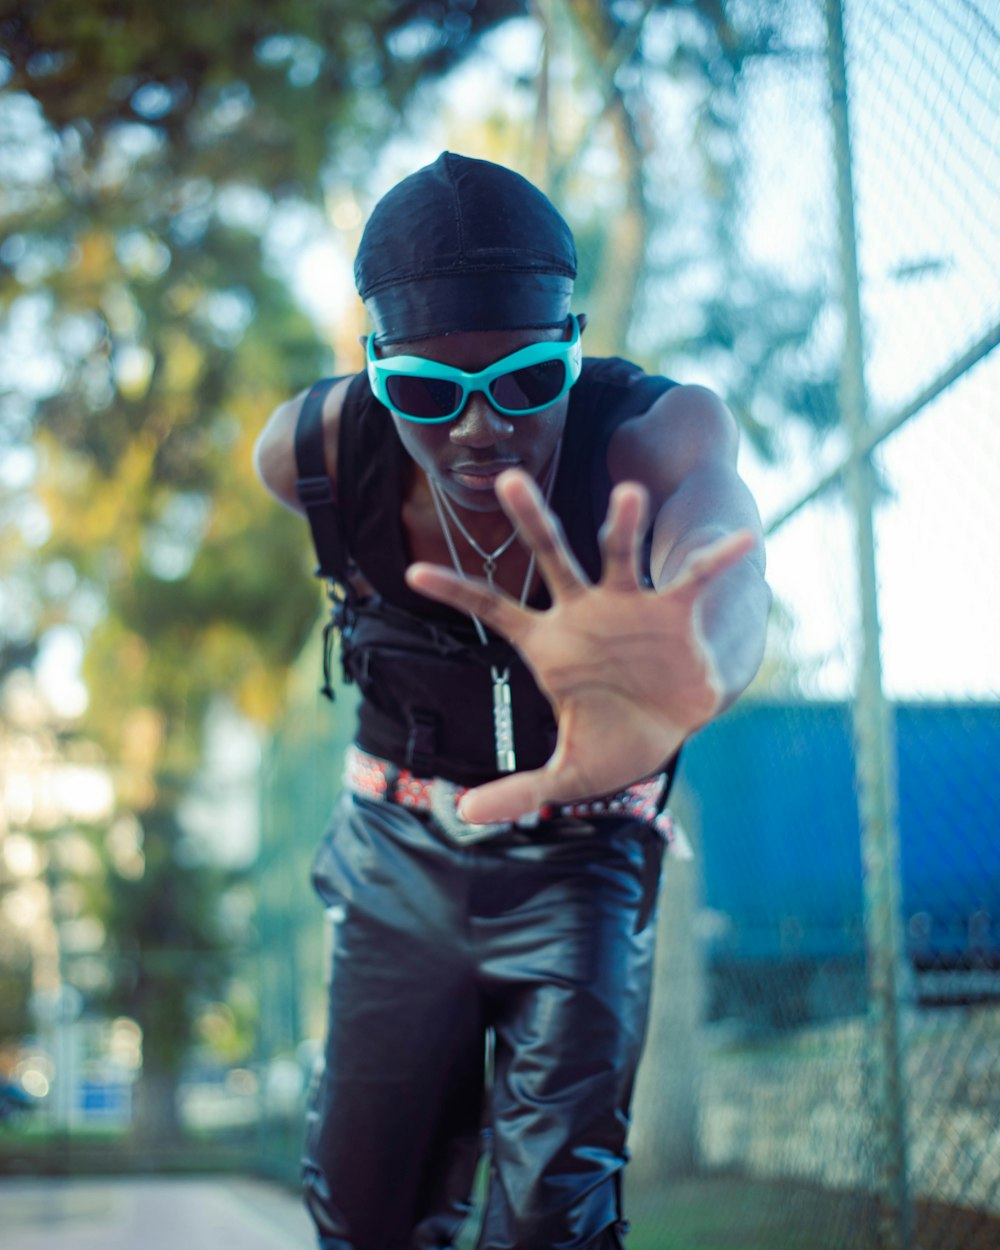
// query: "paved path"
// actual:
[[215, 1213]]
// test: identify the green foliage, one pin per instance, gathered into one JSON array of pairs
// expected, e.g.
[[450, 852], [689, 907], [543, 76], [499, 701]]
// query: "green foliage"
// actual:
[[147, 151], [268, 90], [759, 325], [14, 989], [167, 944]]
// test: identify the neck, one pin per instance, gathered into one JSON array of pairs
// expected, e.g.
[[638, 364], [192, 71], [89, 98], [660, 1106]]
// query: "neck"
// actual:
[[447, 515], [449, 519], [489, 528]]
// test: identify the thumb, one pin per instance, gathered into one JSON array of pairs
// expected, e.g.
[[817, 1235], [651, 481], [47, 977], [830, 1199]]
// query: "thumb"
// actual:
[[507, 799]]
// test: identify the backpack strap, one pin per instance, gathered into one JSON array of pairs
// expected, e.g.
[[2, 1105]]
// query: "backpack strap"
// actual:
[[315, 489]]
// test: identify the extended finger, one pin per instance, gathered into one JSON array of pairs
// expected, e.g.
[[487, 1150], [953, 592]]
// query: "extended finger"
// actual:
[[541, 531], [621, 537], [706, 563], [493, 607]]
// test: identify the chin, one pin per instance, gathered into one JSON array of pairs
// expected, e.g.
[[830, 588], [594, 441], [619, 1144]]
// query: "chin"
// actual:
[[472, 499]]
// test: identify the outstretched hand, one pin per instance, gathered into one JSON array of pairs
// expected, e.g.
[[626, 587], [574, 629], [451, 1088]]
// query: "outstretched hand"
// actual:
[[625, 667]]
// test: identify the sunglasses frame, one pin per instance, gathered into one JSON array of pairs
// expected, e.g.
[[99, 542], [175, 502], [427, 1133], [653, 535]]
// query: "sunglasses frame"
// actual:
[[380, 369]]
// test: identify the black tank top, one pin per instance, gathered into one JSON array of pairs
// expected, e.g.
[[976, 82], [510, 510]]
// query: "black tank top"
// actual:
[[421, 669]]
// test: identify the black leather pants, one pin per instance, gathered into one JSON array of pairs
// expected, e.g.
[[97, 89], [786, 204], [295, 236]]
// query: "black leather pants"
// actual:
[[540, 941]]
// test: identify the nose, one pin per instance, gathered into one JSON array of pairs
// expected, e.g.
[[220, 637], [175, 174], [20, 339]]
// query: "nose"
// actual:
[[479, 424]]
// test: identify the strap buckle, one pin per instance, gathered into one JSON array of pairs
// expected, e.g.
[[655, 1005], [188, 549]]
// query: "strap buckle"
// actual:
[[314, 491], [420, 742]]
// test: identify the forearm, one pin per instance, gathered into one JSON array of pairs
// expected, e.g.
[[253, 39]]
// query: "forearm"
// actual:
[[731, 616], [731, 612]]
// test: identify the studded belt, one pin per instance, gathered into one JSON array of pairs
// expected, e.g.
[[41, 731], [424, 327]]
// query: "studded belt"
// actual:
[[373, 778]]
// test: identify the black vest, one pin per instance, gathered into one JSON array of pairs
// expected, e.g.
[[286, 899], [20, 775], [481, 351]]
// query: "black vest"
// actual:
[[423, 674]]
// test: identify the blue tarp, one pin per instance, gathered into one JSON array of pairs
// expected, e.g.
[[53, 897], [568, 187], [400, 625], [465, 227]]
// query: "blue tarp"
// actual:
[[772, 792]]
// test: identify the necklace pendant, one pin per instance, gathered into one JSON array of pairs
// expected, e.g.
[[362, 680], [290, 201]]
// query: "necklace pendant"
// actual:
[[503, 721], [489, 568]]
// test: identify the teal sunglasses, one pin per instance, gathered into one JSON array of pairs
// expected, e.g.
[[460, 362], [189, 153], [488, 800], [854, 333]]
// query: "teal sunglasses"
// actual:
[[525, 381]]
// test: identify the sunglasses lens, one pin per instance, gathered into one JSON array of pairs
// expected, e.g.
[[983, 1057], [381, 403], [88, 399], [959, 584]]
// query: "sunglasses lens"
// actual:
[[426, 399], [533, 387]]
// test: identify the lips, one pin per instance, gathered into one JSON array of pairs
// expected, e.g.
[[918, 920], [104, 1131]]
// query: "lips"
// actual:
[[475, 475]]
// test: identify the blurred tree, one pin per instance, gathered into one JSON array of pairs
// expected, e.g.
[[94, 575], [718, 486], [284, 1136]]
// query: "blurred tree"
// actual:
[[147, 155], [146, 481], [169, 952], [759, 325], [265, 92], [666, 256], [612, 245]]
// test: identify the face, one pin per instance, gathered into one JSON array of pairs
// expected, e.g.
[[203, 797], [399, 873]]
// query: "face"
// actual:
[[464, 457]]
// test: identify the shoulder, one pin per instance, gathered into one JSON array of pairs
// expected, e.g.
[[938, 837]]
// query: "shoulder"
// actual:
[[619, 378], [683, 429], [609, 393], [274, 451]]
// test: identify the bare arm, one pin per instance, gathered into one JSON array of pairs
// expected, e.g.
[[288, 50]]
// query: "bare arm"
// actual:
[[274, 452], [683, 450], [631, 672]]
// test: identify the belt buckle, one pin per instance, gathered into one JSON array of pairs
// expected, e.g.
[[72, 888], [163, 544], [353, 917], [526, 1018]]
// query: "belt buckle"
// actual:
[[444, 808]]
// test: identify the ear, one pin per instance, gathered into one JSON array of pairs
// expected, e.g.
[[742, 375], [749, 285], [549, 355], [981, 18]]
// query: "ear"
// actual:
[[364, 340], [582, 320]]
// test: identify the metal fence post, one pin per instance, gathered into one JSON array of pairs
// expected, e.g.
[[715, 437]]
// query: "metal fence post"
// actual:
[[874, 753]]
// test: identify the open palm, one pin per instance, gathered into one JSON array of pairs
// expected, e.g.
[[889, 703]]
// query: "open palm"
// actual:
[[626, 667]]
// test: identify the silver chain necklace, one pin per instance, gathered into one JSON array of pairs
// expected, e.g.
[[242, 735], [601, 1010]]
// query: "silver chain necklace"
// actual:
[[489, 558], [503, 710]]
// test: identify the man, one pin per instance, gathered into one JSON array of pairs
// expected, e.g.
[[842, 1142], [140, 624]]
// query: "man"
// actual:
[[527, 676]]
